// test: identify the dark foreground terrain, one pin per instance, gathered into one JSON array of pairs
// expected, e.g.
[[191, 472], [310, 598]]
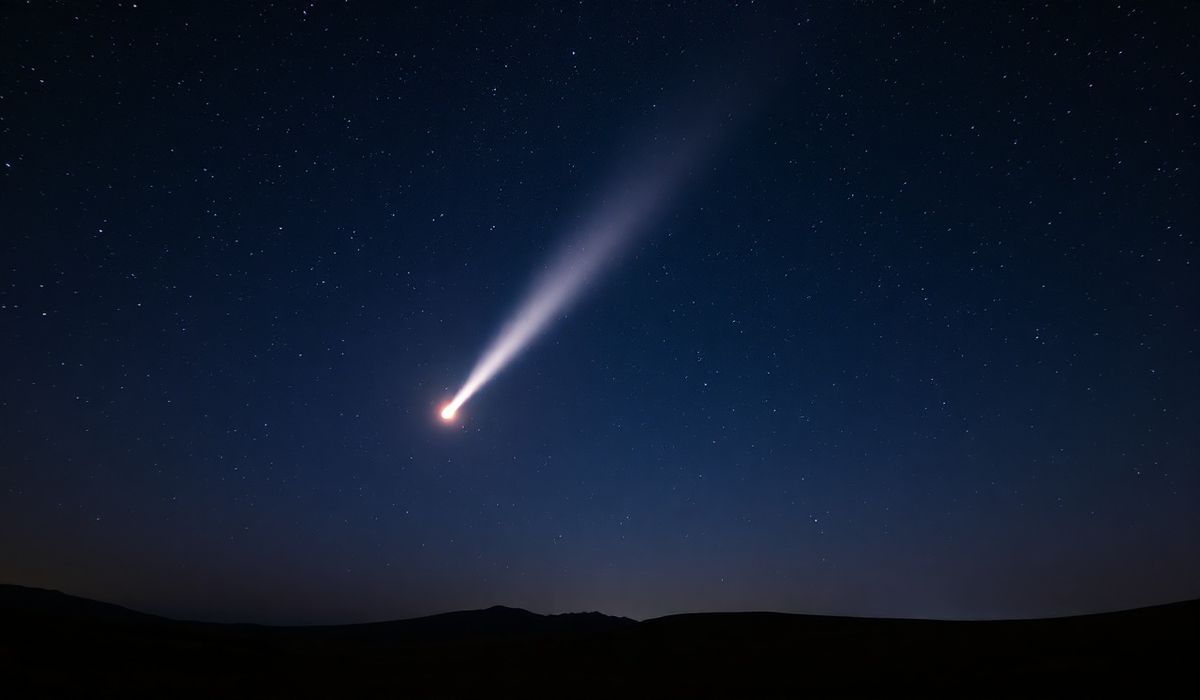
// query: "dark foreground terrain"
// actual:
[[53, 644]]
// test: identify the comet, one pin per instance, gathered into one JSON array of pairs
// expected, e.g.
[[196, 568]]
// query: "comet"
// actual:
[[629, 206]]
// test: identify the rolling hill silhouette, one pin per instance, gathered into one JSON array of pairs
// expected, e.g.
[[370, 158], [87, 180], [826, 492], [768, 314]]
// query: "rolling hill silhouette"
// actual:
[[53, 643]]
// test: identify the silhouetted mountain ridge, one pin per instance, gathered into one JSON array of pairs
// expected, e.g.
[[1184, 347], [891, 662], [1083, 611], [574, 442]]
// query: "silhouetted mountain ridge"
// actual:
[[496, 621], [41, 601], [25, 600], [56, 644]]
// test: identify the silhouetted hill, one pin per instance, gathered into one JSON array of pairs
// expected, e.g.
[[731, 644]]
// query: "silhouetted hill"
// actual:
[[494, 622], [25, 601], [52, 643]]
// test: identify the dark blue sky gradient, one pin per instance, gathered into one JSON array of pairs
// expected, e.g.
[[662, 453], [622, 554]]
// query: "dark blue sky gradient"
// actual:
[[920, 339]]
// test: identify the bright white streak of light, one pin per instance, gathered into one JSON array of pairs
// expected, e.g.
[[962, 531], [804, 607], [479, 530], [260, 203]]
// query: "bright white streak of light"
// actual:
[[597, 246]]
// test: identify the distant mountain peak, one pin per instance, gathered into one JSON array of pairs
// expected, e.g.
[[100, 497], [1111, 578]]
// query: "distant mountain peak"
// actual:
[[506, 608]]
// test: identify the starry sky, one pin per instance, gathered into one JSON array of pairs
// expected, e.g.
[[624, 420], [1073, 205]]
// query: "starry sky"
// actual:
[[917, 338]]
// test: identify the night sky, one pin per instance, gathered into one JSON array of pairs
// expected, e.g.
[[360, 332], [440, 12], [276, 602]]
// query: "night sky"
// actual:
[[917, 336]]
